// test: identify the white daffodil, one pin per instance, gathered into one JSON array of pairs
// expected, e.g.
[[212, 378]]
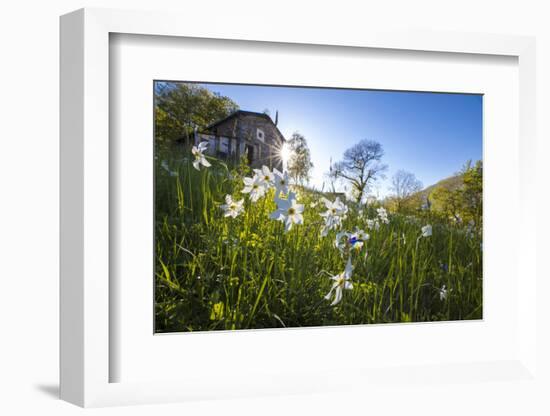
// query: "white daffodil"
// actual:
[[281, 182], [426, 231], [443, 293], [358, 239], [198, 151], [355, 240], [255, 187], [361, 235], [164, 165], [373, 224], [334, 214], [288, 211], [383, 215], [232, 208], [341, 282], [266, 176], [334, 208], [339, 243]]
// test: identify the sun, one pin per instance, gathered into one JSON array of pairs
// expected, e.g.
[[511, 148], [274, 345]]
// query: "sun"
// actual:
[[285, 153]]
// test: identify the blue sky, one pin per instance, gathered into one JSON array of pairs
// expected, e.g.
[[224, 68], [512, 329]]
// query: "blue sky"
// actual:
[[429, 134]]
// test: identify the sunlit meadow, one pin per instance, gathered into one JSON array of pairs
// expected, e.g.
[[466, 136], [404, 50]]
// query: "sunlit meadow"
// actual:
[[243, 249]]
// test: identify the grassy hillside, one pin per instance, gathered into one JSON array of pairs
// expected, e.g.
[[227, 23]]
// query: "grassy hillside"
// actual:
[[451, 183], [218, 272]]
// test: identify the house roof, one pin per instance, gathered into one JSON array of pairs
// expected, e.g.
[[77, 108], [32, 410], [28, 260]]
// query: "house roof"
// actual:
[[245, 113]]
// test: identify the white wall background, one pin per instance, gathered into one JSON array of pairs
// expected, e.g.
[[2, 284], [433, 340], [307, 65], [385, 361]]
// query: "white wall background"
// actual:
[[29, 187]]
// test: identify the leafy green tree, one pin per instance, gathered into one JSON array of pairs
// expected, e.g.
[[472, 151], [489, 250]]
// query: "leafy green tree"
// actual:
[[299, 163], [448, 202], [464, 203], [181, 107], [472, 192]]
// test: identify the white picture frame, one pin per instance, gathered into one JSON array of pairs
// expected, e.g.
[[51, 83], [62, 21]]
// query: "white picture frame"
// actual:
[[86, 356]]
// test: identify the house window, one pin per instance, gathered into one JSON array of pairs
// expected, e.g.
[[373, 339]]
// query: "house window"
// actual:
[[260, 134]]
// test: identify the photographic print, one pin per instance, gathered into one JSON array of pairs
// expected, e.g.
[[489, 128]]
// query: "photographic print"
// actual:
[[288, 206]]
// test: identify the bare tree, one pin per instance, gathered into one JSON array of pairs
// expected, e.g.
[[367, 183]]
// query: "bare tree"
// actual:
[[404, 184], [361, 166]]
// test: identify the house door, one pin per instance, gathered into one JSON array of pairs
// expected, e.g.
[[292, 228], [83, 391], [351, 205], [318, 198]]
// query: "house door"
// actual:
[[250, 153]]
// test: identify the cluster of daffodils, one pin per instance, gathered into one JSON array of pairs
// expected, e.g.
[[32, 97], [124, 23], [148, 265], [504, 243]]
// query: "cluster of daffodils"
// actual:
[[373, 224], [333, 216], [289, 211], [354, 241], [383, 215], [381, 218], [263, 180]]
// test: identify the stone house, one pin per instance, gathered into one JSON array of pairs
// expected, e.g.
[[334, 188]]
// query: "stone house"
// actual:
[[245, 133]]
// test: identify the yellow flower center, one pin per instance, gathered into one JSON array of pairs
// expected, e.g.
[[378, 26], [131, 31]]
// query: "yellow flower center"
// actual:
[[291, 211]]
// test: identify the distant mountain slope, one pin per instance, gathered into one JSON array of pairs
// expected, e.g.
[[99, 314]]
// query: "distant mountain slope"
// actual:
[[451, 183]]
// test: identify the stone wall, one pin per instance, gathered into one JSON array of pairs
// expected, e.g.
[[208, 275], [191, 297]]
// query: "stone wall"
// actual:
[[241, 132]]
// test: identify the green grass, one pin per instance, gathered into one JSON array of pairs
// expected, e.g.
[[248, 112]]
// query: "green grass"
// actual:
[[217, 273]]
